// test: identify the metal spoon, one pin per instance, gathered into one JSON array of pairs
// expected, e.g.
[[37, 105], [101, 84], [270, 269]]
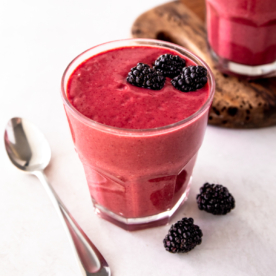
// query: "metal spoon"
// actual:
[[29, 151]]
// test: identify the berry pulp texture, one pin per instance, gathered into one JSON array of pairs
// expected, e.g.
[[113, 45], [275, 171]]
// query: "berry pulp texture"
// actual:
[[137, 174], [99, 90], [243, 31]]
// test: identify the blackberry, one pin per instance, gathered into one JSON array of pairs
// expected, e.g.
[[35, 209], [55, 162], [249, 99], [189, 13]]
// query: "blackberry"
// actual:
[[183, 236], [169, 65], [215, 199], [191, 79], [144, 76]]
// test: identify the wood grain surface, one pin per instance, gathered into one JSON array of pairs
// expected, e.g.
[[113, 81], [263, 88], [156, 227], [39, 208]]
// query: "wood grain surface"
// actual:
[[196, 6], [237, 103]]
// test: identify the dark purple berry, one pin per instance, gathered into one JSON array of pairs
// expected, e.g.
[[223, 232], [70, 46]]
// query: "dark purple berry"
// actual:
[[190, 79], [144, 76], [183, 236], [215, 199], [169, 65]]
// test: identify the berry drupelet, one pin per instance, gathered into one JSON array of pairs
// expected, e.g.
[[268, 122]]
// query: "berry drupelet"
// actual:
[[215, 199], [190, 79], [144, 76], [183, 236], [169, 65]]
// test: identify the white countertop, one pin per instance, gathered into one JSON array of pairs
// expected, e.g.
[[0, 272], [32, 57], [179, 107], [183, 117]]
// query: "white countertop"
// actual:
[[38, 40]]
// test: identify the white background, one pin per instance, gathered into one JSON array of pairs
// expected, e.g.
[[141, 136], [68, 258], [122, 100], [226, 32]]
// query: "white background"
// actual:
[[38, 40]]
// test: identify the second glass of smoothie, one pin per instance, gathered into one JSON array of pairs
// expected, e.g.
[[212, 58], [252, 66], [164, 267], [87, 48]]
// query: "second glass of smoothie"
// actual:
[[138, 146], [242, 36]]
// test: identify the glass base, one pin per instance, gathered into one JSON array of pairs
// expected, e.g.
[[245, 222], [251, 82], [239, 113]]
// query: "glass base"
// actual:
[[132, 224], [241, 70]]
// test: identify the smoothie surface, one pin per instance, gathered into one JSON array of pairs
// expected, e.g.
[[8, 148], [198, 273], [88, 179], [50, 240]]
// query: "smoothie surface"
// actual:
[[98, 89]]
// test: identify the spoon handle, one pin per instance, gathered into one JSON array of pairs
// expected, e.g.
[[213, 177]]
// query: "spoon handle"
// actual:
[[90, 260]]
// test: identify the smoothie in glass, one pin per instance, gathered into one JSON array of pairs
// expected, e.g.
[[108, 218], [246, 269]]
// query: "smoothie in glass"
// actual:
[[137, 146], [242, 35]]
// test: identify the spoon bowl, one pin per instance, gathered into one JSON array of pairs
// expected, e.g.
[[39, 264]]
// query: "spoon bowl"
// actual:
[[26, 146], [30, 152]]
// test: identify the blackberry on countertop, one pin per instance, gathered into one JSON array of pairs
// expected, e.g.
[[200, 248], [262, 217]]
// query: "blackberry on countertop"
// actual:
[[144, 76], [215, 199], [190, 79], [169, 65], [183, 236]]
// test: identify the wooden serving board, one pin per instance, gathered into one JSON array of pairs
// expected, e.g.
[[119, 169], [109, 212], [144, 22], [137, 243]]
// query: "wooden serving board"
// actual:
[[238, 103]]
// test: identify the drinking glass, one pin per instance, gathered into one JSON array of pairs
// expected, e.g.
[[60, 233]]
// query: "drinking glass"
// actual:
[[242, 36], [137, 178]]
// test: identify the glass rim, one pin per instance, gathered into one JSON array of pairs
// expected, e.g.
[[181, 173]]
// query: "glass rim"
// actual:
[[148, 42]]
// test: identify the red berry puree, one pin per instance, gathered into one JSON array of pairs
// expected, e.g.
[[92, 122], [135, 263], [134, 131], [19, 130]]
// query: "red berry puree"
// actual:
[[134, 173], [98, 89]]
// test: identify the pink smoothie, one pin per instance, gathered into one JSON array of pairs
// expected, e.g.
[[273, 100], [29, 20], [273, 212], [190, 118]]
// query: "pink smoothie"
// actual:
[[243, 31], [98, 89], [141, 171]]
